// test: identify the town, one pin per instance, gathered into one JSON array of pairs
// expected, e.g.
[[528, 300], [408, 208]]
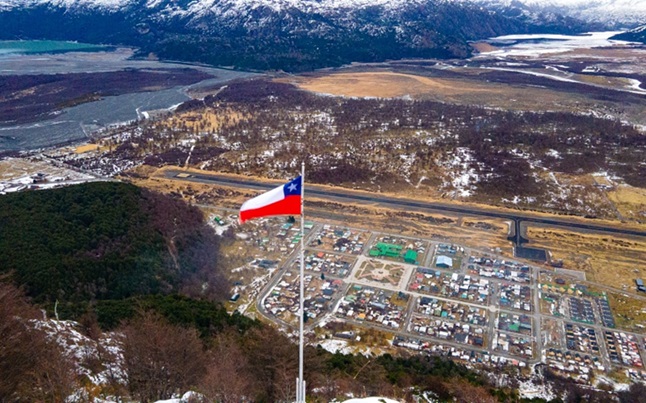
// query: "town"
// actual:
[[436, 297]]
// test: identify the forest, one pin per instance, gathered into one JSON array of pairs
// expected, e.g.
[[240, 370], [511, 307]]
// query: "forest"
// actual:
[[106, 240]]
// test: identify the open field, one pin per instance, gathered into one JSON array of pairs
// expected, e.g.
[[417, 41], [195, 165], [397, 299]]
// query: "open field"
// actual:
[[629, 313], [358, 143], [469, 89], [157, 177], [608, 260], [205, 120], [388, 85], [91, 147], [629, 201]]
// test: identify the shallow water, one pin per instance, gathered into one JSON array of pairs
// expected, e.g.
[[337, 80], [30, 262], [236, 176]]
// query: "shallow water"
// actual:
[[76, 123]]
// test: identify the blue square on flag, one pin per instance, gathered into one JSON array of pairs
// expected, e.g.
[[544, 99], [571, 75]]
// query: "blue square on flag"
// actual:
[[293, 188]]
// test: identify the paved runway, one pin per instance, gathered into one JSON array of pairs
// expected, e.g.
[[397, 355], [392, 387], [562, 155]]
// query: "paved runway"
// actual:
[[402, 203]]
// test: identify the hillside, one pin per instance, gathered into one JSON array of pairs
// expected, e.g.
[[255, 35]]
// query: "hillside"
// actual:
[[405, 144], [277, 34], [101, 241], [635, 35]]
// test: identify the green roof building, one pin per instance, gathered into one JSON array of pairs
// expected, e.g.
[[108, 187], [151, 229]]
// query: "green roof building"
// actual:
[[386, 249], [410, 257]]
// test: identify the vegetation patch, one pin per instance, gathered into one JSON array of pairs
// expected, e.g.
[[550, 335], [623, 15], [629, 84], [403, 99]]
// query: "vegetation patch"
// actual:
[[106, 241]]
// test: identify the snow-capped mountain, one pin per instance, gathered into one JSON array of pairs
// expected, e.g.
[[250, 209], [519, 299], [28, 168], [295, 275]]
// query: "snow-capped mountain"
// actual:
[[284, 34], [609, 13]]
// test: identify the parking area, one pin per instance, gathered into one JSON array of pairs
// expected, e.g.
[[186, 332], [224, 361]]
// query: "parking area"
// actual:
[[623, 349]]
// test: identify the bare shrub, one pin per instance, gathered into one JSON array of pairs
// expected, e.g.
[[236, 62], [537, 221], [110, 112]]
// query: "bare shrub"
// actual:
[[160, 359], [32, 368]]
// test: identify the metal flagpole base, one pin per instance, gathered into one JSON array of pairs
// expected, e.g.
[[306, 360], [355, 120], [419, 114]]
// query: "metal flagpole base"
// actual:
[[300, 391]]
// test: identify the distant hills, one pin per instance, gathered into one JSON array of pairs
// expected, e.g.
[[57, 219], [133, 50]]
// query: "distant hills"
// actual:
[[292, 35], [635, 35], [603, 14]]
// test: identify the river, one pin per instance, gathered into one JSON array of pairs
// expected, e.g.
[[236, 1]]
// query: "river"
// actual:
[[76, 123]]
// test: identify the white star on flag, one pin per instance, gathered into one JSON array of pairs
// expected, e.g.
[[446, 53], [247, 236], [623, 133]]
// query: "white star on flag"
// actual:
[[292, 187]]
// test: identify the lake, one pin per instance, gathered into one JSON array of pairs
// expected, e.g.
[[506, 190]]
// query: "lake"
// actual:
[[31, 47]]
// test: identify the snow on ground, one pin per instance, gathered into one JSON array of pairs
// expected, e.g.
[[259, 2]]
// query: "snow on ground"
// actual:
[[187, 397], [530, 390], [335, 345], [535, 45], [463, 175], [636, 85], [372, 400], [81, 348], [617, 386], [534, 73]]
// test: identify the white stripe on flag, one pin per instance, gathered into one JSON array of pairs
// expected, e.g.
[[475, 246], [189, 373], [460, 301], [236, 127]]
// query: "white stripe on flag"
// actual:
[[265, 199]]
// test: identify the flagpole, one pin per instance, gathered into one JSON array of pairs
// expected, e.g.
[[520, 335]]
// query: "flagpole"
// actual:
[[300, 392]]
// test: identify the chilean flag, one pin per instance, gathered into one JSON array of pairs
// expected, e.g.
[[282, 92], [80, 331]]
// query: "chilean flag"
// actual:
[[283, 200]]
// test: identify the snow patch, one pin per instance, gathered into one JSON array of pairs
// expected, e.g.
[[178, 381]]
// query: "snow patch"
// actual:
[[372, 400]]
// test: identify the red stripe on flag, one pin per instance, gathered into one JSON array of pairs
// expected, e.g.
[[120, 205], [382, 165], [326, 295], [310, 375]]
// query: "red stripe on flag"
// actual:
[[290, 205]]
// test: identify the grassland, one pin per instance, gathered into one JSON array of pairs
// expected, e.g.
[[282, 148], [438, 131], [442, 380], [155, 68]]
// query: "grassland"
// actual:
[[389, 85], [629, 201], [629, 313], [205, 120], [607, 260], [469, 90]]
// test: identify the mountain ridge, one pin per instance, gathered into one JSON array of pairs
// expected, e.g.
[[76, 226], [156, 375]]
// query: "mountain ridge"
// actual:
[[291, 35], [634, 35]]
